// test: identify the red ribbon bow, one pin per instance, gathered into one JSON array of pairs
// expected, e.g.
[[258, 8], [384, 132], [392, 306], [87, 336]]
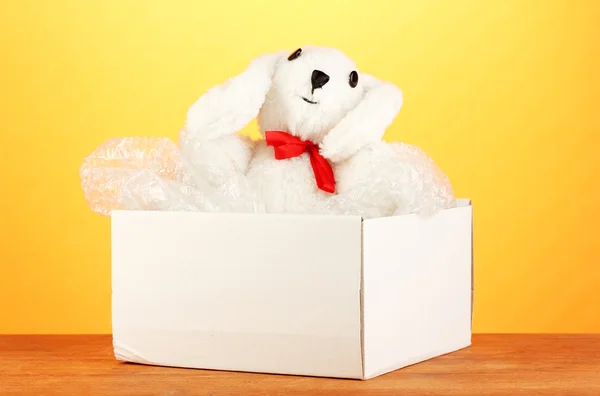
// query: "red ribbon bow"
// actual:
[[288, 146]]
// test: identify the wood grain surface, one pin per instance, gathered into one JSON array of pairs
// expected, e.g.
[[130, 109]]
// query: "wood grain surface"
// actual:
[[493, 365]]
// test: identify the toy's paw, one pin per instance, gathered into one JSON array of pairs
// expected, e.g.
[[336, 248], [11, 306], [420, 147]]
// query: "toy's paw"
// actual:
[[365, 124], [264, 65]]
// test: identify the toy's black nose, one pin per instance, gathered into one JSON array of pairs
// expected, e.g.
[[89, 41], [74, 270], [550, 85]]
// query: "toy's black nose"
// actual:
[[318, 79]]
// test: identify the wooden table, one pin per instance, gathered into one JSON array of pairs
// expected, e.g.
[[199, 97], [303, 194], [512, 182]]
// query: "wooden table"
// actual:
[[493, 365]]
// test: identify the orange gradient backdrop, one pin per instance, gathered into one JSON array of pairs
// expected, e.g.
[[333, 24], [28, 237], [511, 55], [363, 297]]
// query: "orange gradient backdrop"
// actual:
[[504, 95]]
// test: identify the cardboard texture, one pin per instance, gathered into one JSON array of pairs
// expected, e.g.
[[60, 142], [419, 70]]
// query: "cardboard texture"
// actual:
[[331, 296]]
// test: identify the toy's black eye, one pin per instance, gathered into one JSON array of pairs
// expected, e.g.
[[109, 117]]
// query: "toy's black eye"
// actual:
[[353, 80], [295, 54]]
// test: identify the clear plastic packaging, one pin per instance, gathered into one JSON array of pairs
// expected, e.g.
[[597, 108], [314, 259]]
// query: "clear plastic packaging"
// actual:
[[145, 173], [402, 179]]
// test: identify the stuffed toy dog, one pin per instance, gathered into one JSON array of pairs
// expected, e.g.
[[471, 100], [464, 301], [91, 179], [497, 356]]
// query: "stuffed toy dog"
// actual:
[[323, 122]]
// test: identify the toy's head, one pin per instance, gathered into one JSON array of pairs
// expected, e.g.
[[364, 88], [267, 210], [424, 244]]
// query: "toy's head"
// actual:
[[312, 89], [315, 93]]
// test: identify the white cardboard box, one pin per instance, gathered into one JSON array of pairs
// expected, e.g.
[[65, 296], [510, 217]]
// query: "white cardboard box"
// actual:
[[333, 296]]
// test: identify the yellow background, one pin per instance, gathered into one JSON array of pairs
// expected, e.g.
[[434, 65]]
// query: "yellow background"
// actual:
[[504, 95]]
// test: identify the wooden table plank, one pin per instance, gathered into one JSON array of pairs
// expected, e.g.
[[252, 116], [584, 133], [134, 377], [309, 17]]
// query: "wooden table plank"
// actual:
[[494, 365]]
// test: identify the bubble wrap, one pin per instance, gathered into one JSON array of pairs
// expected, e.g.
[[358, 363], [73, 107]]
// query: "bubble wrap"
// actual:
[[402, 179], [144, 173]]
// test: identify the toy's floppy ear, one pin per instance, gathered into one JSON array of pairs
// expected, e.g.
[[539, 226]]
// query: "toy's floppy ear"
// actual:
[[227, 108], [366, 123]]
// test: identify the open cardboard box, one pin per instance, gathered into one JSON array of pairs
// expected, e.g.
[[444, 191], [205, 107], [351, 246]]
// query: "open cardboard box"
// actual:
[[332, 296]]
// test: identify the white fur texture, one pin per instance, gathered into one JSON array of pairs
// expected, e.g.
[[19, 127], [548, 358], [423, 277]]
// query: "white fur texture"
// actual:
[[220, 170], [346, 122]]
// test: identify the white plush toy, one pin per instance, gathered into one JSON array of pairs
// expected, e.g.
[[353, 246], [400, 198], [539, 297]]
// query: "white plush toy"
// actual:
[[323, 123]]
